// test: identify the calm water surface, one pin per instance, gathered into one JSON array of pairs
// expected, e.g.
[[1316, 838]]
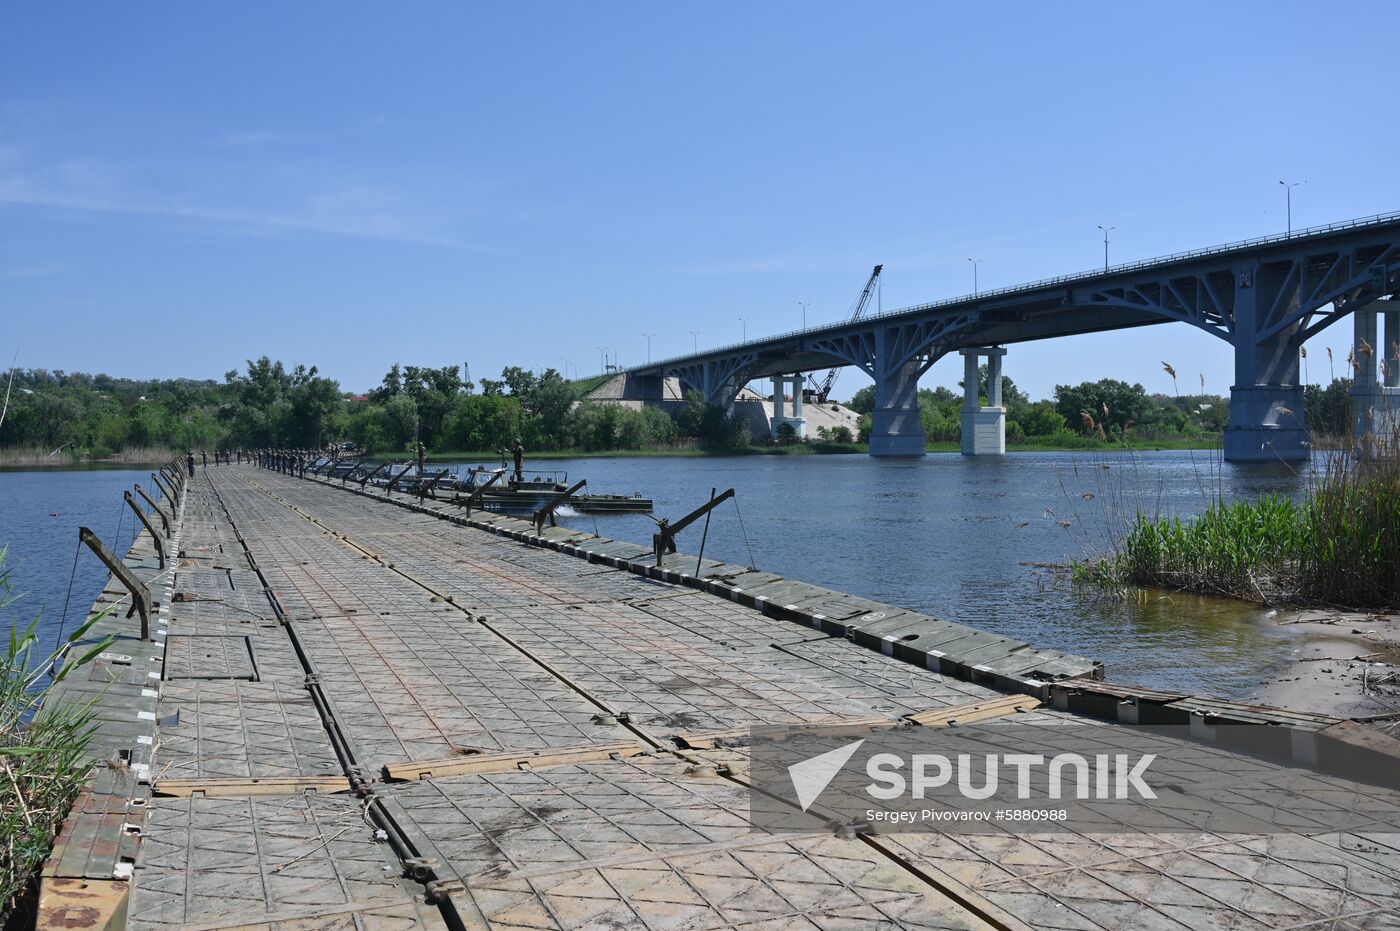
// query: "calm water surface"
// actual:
[[946, 535], [40, 513], [955, 537]]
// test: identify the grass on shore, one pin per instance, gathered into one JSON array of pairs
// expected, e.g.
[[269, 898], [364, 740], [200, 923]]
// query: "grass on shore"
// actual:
[[1339, 547], [70, 456], [44, 751]]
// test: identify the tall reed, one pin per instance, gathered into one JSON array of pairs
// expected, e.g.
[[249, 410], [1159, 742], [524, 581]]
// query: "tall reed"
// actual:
[[44, 746], [1339, 546]]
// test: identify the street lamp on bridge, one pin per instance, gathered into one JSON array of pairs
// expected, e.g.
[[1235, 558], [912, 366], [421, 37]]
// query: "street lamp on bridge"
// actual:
[[1106, 230], [743, 322], [1288, 201], [694, 340], [975, 263], [648, 336], [804, 305]]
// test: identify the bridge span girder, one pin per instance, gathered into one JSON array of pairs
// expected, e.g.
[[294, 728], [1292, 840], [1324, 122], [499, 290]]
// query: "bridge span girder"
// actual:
[[1264, 298]]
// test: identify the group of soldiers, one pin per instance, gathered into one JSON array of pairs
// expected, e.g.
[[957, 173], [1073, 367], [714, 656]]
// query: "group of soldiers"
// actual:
[[283, 460], [221, 457], [295, 461]]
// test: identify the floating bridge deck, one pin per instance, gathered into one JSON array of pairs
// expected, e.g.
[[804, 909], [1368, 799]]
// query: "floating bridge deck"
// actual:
[[359, 710]]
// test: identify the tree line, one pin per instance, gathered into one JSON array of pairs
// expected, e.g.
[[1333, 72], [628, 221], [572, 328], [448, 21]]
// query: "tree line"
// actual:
[[1077, 415], [268, 404]]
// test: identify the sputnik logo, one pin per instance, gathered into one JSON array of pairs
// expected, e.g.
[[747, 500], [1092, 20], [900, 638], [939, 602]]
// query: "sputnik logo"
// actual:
[[811, 777]]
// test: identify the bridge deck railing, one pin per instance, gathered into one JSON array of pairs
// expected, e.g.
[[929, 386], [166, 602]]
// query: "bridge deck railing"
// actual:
[[1378, 219]]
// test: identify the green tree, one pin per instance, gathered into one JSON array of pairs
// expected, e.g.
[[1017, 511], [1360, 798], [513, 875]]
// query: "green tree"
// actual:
[[1041, 419], [1108, 402], [863, 401], [1328, 410]]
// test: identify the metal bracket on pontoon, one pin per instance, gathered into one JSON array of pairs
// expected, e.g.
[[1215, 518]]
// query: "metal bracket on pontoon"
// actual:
[[432, 483], [175, 478], [140, 594], [155, 536], [160, 481], [664, 540], [395, 480], [364, 479], [164, 521], [479, 491], [547, 512]]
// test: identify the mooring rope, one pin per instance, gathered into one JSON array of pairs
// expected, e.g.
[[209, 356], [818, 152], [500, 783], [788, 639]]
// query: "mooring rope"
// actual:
[[753, 563], [63, 618]]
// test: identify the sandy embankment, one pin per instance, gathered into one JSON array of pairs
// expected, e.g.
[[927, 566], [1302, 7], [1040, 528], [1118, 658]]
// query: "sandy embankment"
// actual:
[[1347, 665]]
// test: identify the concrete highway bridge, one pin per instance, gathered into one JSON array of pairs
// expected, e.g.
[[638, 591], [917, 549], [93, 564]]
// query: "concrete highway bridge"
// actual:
[[1265, 297]]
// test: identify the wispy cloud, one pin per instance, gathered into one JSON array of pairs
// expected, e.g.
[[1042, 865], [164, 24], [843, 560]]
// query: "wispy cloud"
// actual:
[[250, 137], [352, 210], [20, 272]]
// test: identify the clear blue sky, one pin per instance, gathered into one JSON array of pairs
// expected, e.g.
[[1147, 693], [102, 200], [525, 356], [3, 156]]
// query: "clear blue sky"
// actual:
[[183, 186]]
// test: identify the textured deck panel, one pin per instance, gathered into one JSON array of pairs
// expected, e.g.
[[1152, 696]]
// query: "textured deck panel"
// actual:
[[320, 633], [643, 843], [424, 686], [233, 862]]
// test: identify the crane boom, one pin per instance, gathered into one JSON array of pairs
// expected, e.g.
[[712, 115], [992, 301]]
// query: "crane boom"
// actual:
[[822, 390]]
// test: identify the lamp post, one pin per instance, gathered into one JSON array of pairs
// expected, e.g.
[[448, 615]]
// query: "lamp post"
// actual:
[[648, 336], [1288, 201], [743, 322], [566, 368], [975, 263], [804, 305], [694, 340], [603, 360], [1106, 230]]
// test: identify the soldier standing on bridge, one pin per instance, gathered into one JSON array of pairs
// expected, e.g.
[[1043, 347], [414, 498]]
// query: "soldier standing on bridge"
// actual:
[[189, 461], [519, 453]]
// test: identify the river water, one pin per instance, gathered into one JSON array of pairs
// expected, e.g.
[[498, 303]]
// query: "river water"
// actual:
[[40, 513], [964, 539]]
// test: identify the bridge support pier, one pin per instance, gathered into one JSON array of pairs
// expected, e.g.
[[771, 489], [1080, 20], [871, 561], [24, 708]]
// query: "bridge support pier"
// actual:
[[1391, 351], [983, 428], [1266, 401], [782, 384], [1375, 390], [798, 420], [896, 428]]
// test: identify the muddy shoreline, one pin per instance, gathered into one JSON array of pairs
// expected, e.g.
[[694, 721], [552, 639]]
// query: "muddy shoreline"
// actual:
[[1347, 664]]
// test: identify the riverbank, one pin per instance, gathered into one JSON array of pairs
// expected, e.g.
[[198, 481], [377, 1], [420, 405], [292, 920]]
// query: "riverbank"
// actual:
[[1090, 444], [38, 457], [1339, 544], [804, 449], [1347, 665]]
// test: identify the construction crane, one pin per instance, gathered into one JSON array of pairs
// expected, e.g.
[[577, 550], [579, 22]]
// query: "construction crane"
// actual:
[[821, 391]]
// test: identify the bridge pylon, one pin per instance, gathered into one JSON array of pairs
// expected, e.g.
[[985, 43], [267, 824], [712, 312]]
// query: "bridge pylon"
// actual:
[[1375, 383], [983, 428], [1267, 422], [896, 427]]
